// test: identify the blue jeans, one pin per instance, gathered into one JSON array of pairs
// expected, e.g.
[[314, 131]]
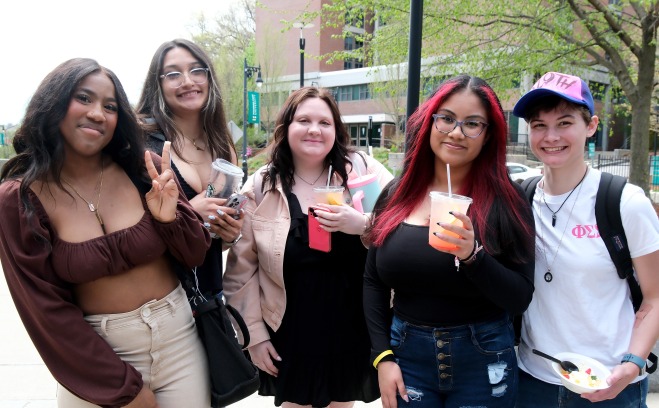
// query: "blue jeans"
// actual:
[[465, 366], [534, 393]]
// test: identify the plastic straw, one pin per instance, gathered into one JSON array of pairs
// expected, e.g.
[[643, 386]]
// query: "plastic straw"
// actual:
[[329, 175], [448, 174]]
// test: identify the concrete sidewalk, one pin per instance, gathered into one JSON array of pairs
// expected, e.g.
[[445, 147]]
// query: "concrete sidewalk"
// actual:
[[26, 383]]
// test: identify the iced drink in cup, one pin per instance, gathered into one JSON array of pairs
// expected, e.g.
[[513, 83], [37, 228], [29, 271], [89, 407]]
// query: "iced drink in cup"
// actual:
[[332, 195], [225, 179], [440, 205]]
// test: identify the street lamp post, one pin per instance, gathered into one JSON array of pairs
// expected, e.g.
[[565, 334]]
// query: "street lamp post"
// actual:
[[248, 71], [302, 26]]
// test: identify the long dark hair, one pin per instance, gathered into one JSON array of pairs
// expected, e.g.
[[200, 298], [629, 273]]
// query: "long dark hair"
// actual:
[[281, 157], [152, 104], [499, 212], [39, 143]]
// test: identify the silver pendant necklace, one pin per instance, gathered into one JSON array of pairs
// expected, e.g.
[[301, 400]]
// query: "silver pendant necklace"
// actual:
[[548, 277], [553, 213]]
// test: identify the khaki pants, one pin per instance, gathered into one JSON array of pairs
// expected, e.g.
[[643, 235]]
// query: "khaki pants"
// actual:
[[160, 340]]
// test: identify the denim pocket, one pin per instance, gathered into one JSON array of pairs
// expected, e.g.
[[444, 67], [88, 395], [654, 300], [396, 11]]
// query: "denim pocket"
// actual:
[[499, 339], [397, 335]]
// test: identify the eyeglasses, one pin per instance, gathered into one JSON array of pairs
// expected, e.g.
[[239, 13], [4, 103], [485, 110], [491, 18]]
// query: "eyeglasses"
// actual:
[[470, 128], [175, 79]]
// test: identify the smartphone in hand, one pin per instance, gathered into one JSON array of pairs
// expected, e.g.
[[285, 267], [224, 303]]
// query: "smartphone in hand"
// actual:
[[237, 202], [319, 239]]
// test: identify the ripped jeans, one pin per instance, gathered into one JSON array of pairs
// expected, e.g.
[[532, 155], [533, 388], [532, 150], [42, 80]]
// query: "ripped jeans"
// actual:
[[470, 366]]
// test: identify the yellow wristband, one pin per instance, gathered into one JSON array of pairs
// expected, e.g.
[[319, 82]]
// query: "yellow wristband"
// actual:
[[380, 357]]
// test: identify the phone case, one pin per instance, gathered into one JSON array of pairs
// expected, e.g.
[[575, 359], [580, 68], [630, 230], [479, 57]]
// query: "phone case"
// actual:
[[319, 239], [236, 201]]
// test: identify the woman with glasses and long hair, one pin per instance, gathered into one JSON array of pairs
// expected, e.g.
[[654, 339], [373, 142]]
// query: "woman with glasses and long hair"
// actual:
[[181, 102], [448, 340], [91, 229]]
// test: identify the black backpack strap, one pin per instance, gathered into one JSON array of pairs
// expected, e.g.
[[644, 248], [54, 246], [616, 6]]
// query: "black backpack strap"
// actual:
[[528, 186], [609, 224]]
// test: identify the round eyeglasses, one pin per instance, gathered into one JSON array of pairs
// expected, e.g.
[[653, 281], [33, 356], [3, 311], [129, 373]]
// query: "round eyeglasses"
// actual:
[[470, 128], [175, 79]]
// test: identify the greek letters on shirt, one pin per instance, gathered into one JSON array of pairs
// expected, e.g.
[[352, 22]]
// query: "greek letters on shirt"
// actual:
[[585, 231]]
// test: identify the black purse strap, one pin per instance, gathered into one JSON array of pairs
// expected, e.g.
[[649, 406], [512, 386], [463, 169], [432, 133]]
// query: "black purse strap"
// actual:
[[200, 305], [241, 324]]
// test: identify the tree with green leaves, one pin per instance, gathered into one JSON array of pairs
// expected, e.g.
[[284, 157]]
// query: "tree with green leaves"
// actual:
[[505, 40], [229, 38]]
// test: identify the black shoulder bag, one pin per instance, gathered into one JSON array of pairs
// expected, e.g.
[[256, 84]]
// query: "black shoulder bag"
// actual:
[[233, 376]]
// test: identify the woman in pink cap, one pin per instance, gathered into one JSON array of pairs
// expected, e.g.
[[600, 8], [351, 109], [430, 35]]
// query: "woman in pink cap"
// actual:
[[580, 304]]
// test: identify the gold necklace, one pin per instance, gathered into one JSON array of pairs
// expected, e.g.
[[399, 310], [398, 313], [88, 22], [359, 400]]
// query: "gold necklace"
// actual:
[[93, 208], [194, 143], [315, 181]]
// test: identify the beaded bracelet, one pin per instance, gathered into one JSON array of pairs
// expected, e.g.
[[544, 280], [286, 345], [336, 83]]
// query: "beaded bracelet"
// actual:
[[471, 258]]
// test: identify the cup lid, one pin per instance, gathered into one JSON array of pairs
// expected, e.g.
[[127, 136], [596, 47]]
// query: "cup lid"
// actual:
[[228, 168], [438, 194], [328, 188]]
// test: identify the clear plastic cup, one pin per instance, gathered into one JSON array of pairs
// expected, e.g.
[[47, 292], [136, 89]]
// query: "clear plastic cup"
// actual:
[[332, 195], [440, 205], [226, 179]]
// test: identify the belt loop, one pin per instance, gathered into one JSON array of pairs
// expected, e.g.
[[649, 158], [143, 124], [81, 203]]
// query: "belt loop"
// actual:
[[104, 325]]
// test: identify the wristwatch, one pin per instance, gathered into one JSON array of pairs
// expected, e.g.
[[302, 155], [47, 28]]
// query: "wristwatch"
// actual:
[[639, 361]]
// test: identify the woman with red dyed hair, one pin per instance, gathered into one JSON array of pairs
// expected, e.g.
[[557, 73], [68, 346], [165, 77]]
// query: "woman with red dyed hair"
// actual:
[[448, 340]]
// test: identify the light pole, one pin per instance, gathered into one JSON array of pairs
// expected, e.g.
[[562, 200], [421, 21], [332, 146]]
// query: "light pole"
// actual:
[[302, 26], [247, 73]]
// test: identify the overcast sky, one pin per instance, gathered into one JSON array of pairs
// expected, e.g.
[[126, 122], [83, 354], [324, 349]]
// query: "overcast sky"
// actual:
[[37, 35]]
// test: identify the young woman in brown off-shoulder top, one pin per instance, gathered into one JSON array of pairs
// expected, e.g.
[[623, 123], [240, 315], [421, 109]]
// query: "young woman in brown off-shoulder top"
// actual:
[[90, 230]]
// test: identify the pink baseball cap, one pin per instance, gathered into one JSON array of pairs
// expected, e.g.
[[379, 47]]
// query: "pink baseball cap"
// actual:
[[568, 87]]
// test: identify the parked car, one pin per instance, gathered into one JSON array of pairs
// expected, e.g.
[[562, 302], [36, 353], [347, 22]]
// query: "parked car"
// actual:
[[520, 172]]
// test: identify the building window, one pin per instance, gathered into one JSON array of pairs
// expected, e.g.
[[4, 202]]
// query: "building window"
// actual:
[[359, 92], [345, 93], [352, 63], [598, 90], [355, 20], [351, 44], [364, 92]]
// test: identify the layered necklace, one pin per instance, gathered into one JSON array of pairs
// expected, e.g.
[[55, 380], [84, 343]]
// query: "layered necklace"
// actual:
[[194, 143], [94, 208], [315, 181], [548, 275], [553, 213]]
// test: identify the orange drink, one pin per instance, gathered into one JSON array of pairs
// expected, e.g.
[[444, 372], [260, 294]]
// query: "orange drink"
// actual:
[[440, 205], [332, 195]]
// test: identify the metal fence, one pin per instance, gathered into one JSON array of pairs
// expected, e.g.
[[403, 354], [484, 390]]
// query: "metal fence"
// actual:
[[620, 166], [611, 162]]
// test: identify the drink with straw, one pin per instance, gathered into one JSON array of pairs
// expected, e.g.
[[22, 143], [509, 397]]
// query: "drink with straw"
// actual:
[[332, 195], [440, 205]]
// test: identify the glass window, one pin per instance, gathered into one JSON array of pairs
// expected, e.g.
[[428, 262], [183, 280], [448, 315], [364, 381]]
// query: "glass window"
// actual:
[[598, 90], [364, 92], [345, 93]]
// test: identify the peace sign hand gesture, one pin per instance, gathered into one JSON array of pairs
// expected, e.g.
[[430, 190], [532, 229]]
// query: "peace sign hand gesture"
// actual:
[[163, 196]]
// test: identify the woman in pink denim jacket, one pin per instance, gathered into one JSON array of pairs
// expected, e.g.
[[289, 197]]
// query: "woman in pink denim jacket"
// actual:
[[303, 307]]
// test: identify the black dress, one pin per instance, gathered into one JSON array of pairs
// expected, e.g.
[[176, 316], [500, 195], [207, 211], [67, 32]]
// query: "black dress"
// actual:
[[323, 341]]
